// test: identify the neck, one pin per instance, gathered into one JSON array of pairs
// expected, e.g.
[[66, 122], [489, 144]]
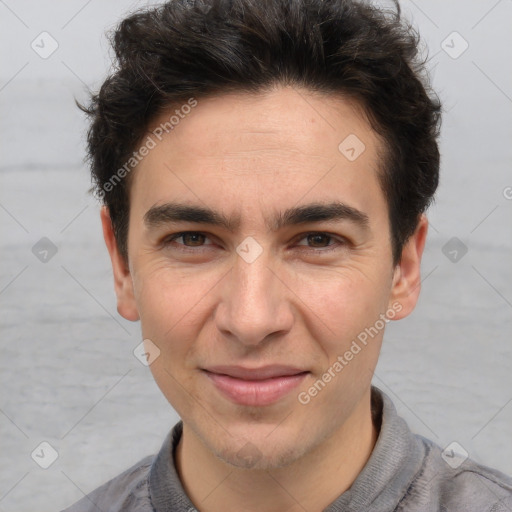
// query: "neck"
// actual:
[[310, 483]]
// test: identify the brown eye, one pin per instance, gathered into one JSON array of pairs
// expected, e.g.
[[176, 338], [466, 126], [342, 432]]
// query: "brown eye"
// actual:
[[195, 239], [319, 239], [190, 239], [320, 242]]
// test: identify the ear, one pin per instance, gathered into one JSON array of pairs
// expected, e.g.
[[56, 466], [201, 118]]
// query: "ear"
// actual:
[[123, 284], [407, 276]]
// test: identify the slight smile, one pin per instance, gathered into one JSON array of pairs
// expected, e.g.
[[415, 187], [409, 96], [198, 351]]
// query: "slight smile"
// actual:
[[255, 386]]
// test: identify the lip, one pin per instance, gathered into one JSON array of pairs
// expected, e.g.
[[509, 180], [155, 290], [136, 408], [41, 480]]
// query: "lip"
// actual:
[[255, 386]]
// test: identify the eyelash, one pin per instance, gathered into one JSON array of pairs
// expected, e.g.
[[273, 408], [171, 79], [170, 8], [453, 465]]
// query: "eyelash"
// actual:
[[340, 241]]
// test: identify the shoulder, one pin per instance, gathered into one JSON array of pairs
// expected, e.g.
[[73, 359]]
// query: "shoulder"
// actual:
[[128, 491], [455, 483]]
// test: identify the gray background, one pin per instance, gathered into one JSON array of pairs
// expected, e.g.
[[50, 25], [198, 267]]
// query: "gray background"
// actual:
[[68, 373]]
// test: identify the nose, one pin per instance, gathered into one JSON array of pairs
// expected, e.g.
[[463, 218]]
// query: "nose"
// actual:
[[255, 303]]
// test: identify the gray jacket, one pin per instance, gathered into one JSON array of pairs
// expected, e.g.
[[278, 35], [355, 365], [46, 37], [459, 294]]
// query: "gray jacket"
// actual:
[[405, 473]]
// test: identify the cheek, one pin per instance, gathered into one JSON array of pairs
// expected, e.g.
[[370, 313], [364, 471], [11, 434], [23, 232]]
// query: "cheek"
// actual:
[[170, 301], [341, 303], [157, 287], [172, 310], [342, 311]]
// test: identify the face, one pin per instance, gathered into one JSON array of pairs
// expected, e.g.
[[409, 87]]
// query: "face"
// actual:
[[253, 301]]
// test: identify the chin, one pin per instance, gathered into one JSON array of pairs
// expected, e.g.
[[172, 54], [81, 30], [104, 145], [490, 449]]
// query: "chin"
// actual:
[[263, 455]]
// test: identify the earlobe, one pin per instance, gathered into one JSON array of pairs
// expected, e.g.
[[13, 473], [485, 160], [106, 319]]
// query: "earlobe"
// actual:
[[407, 275], [123, 283]]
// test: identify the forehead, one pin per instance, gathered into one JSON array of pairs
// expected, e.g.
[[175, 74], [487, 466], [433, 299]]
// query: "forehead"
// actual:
[[311, 122], [275, 145]]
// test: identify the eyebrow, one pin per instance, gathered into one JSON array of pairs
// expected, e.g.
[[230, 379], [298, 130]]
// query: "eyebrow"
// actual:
[[169, 213]]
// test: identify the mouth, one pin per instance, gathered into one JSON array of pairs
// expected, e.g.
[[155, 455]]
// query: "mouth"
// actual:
[[255, 386]]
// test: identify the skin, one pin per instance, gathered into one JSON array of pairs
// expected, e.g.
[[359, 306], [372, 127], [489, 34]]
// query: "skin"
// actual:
[[253, 156]]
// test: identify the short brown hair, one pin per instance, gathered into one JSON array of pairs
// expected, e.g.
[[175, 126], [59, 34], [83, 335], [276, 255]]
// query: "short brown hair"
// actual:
[[196, 48]]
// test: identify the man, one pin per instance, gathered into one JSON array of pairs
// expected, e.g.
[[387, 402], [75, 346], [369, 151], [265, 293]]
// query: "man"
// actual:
[[265, 168]]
